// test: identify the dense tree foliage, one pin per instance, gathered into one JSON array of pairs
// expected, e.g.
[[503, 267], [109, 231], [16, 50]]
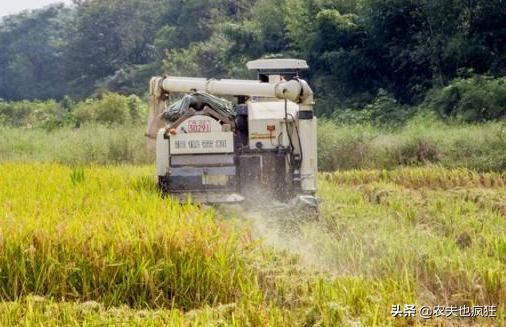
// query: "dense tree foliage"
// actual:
[[31, 54], [363, 54]]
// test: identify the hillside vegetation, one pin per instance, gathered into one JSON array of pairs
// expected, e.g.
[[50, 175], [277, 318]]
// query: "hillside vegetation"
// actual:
[[384, 57]]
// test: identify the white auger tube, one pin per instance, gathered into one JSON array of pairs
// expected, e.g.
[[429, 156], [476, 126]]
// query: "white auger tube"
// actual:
[[290, 90]]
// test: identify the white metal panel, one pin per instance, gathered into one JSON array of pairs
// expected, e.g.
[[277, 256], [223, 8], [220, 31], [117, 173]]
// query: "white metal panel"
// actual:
[[270, 109], [309, 169], [264, 116], [202, 160], [162, 153], [215, 142], [276, 64]]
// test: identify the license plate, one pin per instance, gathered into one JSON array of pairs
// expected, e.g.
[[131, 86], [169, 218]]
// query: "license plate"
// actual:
[[199, 126], [214, 179]]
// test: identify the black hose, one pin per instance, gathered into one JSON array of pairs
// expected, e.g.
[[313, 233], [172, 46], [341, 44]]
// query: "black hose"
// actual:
[[290, 157], [300, 143]]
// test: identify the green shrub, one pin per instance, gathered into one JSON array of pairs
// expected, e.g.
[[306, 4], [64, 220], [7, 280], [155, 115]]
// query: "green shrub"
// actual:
[[137, 108], [423, 140], [44, 114], [84, 112], [386, 111], [350, 117], [111, 109], [479, 98], [15, 114]]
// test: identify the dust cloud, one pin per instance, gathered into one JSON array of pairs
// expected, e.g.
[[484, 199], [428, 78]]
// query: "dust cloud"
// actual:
[[295, 231]]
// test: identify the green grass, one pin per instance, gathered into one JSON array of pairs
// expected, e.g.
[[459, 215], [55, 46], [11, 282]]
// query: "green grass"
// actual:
[[87, 145], [90, 245], [423, 141]]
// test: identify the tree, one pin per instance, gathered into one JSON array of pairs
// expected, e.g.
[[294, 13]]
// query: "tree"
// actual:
[[32, 46], [107, 36]]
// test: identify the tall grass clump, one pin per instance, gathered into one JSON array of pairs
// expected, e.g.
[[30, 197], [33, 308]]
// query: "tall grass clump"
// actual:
[[105, 234], [424, 140], [97, 144]]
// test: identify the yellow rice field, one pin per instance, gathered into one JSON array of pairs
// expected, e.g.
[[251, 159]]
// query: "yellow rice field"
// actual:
[[97, 245]]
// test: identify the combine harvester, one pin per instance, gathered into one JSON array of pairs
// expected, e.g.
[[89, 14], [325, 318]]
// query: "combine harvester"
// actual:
[[260, 150]]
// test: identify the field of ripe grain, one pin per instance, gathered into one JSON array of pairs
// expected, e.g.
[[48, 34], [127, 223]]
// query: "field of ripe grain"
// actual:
[[88, 245]]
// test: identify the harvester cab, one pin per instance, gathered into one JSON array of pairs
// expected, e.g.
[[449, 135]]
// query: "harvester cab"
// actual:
[[261, 148]]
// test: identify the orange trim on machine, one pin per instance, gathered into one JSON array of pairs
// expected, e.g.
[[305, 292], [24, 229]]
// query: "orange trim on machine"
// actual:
[[258, 136]]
